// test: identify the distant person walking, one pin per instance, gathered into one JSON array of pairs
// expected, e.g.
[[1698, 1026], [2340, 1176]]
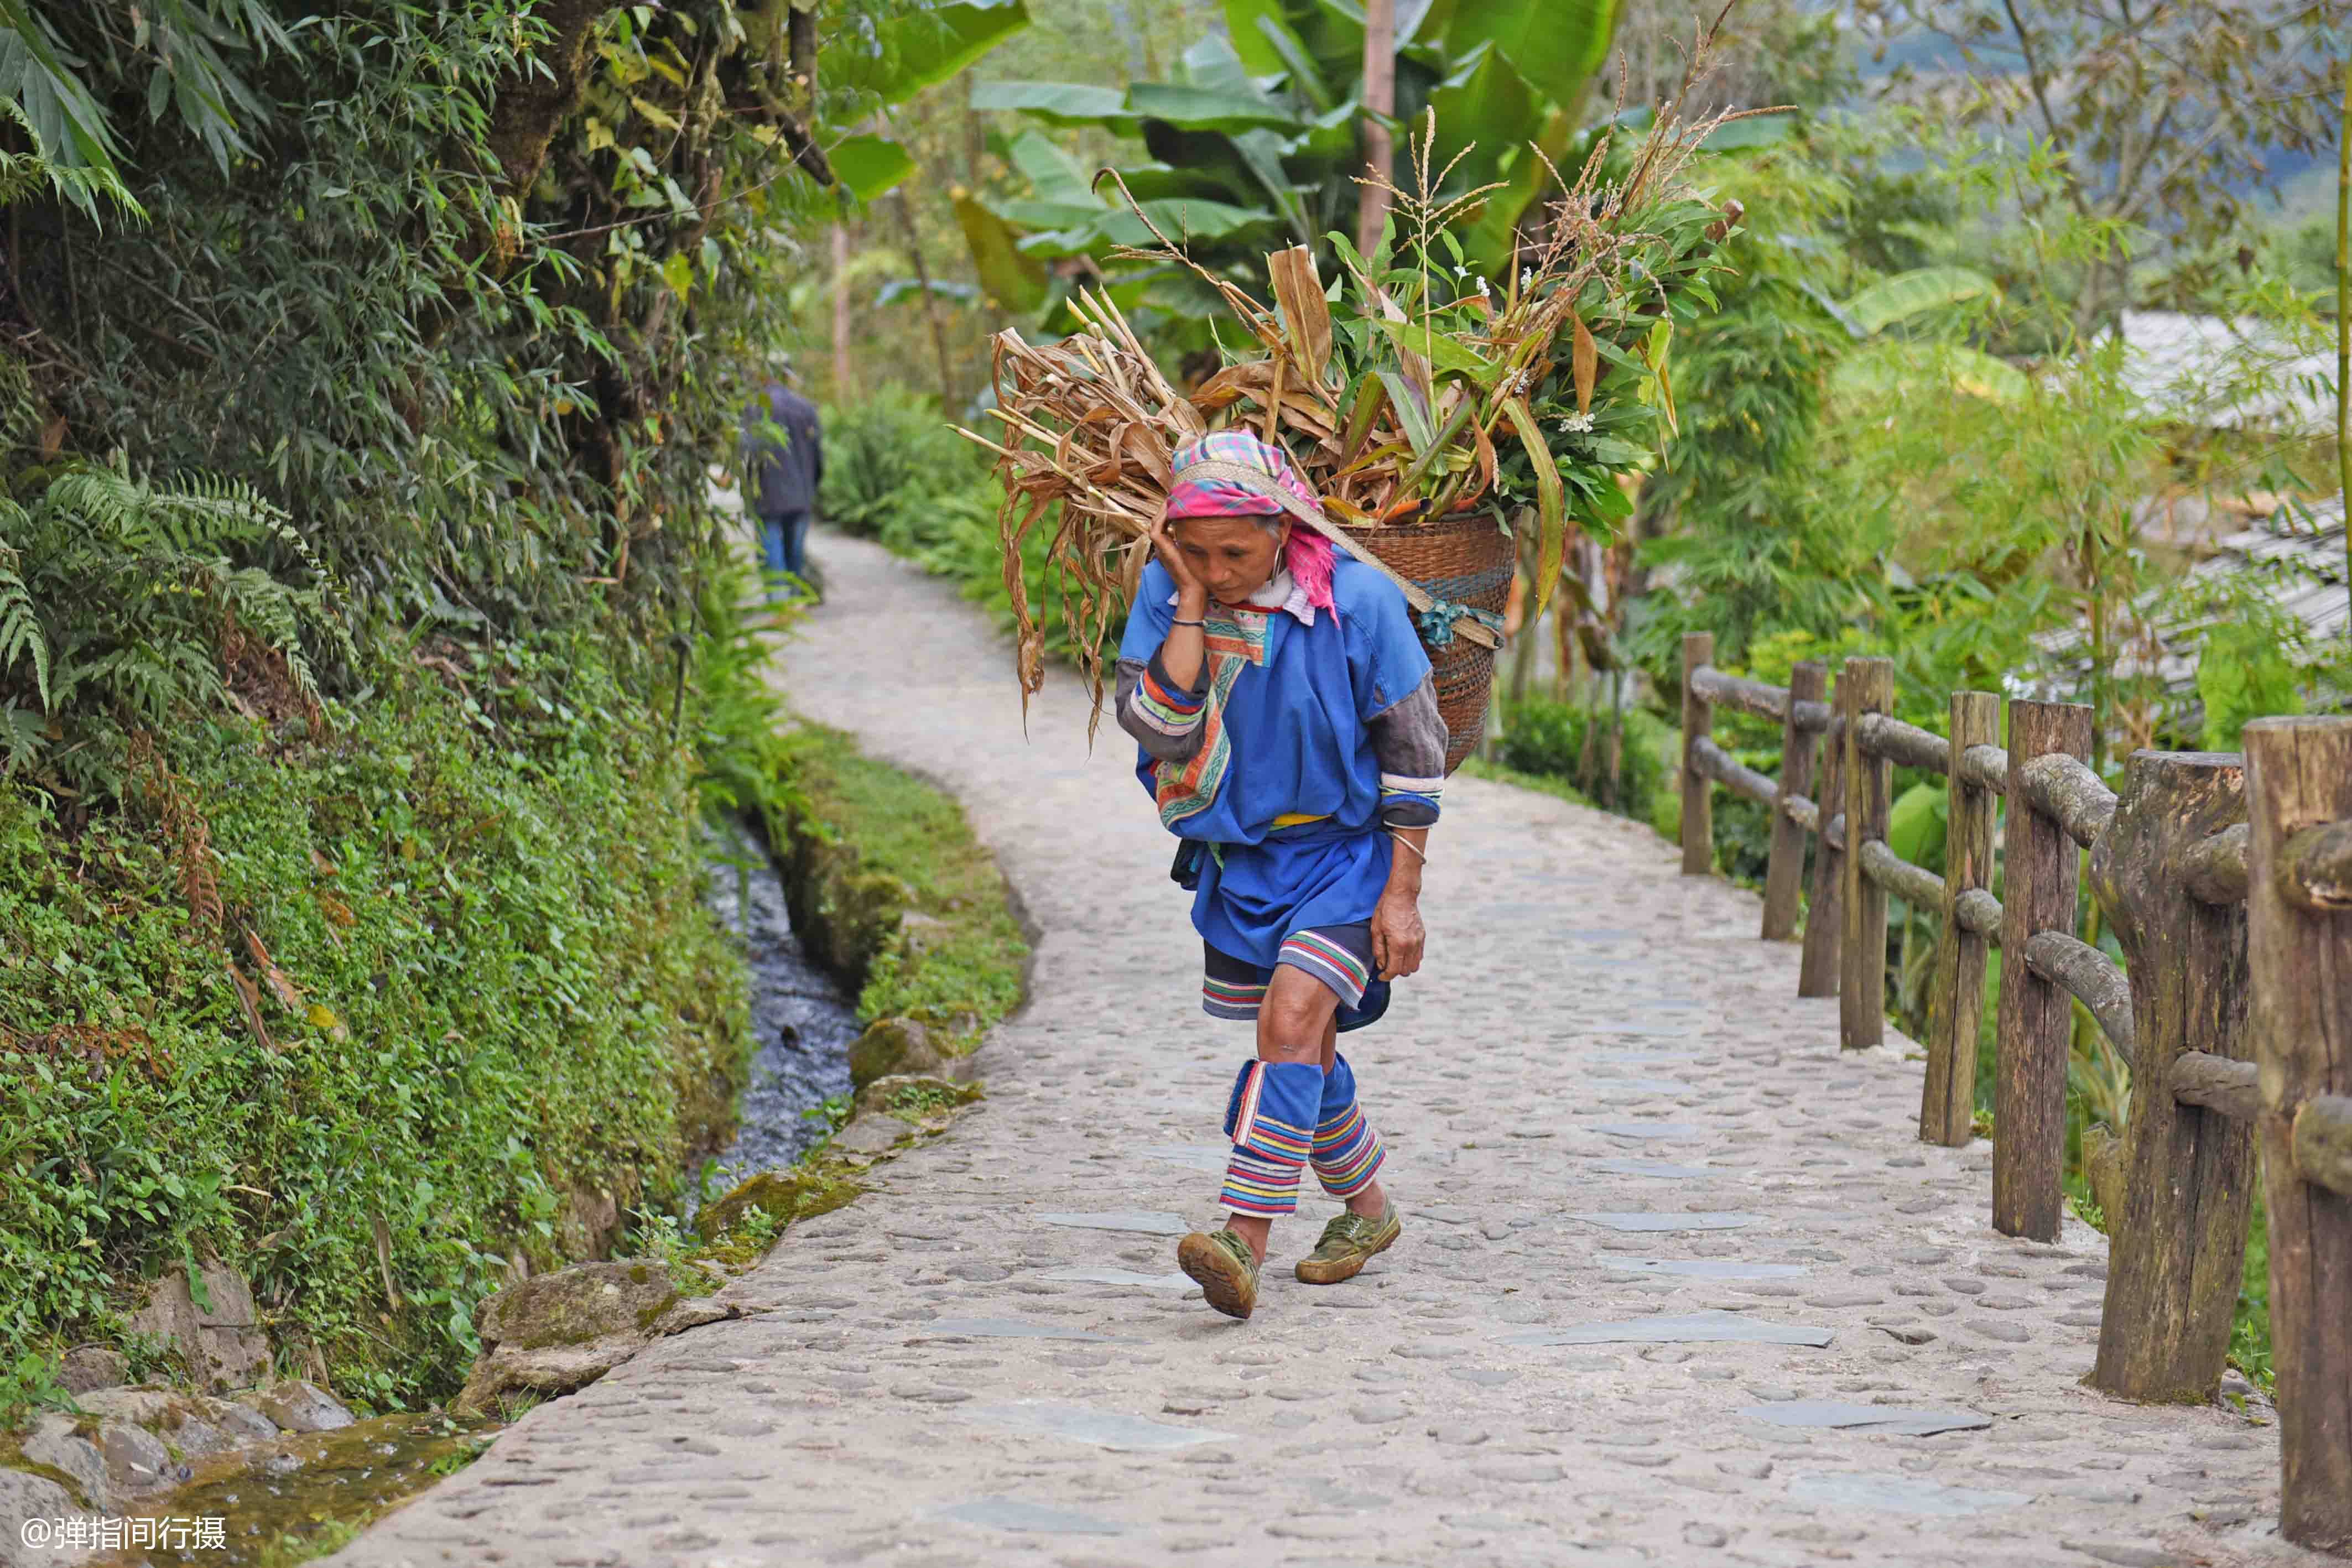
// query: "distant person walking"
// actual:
[[784, 464]]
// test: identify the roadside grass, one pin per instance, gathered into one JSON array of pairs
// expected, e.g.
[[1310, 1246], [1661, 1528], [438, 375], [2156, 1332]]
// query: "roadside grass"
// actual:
[[960, 964]]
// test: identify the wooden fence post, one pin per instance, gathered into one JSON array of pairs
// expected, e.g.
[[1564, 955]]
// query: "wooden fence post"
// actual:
[[2177, 1250], [1818, 973], [1868, 687], [1784, 874], [2299, 777], [1698, 724], [1947, 1102], [2043, 868]]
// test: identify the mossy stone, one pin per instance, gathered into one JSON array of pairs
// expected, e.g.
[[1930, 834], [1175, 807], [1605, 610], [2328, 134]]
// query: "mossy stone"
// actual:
[[801, 1193], [912, 1095], [574, 1305], [894, 1048]]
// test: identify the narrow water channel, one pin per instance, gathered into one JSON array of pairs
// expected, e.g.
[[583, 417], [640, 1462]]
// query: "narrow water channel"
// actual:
[[802, 1024]]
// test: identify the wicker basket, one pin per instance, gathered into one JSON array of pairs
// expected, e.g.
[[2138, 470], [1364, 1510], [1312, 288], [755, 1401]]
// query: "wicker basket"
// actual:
[[1463, 557]]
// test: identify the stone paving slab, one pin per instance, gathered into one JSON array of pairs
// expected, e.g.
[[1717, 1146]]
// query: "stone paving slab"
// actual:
[[1382, 1421]]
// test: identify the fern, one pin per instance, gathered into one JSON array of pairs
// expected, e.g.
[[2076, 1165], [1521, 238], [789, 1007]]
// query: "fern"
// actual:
[[18, 418], [21, 637], [126, 605]]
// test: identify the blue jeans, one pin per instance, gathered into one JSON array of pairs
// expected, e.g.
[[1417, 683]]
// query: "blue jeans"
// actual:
[[784, 537]]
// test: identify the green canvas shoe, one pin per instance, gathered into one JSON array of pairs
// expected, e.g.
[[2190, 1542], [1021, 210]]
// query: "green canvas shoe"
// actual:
[[1348, 1243], [1224, 1269]]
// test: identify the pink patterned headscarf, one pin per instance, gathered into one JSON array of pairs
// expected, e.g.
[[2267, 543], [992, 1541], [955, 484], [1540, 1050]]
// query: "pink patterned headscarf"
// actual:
[[1307, 557]]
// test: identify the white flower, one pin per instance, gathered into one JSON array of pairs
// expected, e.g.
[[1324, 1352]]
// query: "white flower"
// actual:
[[1576, 424]]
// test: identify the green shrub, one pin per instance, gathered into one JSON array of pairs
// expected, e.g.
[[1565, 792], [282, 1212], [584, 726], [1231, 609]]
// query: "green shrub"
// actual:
[[1571, 743], [478, 984], [963, 968], [895, 473], [888, 455]]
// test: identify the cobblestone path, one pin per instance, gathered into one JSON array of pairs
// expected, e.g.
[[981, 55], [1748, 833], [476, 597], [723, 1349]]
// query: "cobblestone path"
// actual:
[[1677, 1284]]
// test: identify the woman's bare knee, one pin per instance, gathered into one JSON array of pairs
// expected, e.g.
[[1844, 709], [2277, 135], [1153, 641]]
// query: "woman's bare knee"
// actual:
[[1296, 1019]]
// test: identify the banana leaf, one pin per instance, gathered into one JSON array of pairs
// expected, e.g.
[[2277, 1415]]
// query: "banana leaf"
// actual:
[[1058, 102], [1916, 293], [924, 49], [1202, 109], [1556, 44], [1014, 280], [1486, 106], [1054, 174], [869, 165]]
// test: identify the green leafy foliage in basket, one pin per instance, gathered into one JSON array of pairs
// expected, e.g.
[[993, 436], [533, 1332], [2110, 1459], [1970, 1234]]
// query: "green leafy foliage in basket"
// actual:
[[1430, 390]]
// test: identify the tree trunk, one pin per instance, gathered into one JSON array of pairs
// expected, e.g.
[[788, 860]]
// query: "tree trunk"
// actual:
[[1380, 98], [800, 89], [930, 301], [841, 370], [524, 117]]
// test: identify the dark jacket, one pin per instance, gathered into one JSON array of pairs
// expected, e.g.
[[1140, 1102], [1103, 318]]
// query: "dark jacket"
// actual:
[[782, 476]]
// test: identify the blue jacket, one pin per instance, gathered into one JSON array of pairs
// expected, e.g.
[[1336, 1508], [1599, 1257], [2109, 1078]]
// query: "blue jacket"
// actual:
[[782, 476]]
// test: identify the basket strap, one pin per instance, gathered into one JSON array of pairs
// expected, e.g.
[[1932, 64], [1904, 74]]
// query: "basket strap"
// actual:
[[1258, 482]]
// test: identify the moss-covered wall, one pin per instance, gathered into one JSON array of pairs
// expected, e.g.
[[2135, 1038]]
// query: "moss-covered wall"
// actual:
[[500, 1016]]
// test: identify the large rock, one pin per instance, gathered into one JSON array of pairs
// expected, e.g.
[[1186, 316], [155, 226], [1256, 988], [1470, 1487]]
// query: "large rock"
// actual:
[[300, 1406], [136, 1458], [220, 1341], [89, 1368], [588, 1220], [894, 1048], [25, 1496], [870, 1135], [56, 1443], [245, 1425], [560, 1332], [195, 1423]]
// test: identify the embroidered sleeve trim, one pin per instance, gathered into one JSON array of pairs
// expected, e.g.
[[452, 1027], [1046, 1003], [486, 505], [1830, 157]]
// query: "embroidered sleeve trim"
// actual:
[[1410, 803]]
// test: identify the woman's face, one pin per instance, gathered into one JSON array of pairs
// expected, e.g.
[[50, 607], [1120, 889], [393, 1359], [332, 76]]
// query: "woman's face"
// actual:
[[1232, 557]]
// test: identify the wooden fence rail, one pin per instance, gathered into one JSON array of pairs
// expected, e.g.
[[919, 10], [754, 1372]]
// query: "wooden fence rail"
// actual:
[[2227, 882]]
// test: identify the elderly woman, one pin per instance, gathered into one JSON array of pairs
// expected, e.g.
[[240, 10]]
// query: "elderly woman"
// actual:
[[1291, 739]]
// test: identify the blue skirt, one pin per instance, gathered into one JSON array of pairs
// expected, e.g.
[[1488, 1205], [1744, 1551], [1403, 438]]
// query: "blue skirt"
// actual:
[[1252, 897]]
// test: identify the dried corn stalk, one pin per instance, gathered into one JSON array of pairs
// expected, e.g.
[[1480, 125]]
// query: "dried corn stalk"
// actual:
[[1405, 406]]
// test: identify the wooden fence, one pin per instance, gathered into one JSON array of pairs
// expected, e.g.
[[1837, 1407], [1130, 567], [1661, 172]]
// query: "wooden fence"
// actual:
[[2227, 880]]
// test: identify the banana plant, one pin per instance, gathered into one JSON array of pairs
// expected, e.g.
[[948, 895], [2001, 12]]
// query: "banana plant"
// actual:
[[1891, 365], [1253, 146], [919, 47]]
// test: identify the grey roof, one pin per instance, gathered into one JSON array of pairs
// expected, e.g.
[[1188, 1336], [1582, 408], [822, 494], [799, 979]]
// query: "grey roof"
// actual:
[[2228, 373], [2294, 556]]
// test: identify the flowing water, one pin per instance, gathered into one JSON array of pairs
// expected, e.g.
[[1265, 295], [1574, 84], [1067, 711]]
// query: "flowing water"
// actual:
[[305, 1490], [802, 1025]]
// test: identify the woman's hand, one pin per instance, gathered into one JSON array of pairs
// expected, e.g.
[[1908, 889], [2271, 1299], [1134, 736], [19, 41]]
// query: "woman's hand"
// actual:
[[1398, 936], [1192, 594]]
